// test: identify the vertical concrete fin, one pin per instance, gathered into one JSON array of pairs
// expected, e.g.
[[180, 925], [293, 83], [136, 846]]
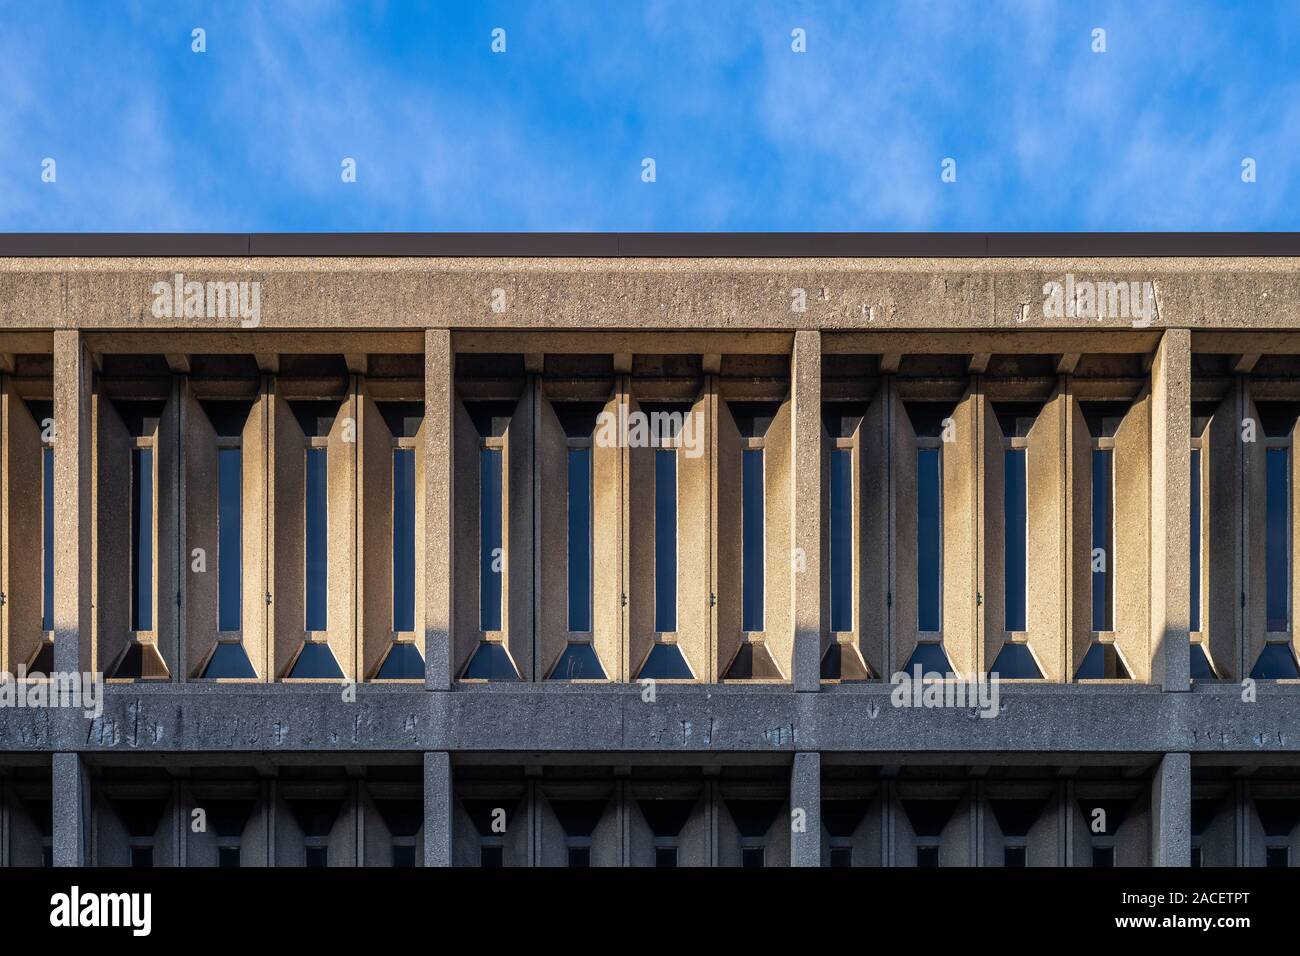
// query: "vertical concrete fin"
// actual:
[[1171, 811], [439, 398], [71, 809], [1171, 432], [72, 503], [437, 808], [806, 796], [806, 454]]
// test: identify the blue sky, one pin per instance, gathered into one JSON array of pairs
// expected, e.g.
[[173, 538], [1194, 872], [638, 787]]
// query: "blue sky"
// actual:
[[746, 134]]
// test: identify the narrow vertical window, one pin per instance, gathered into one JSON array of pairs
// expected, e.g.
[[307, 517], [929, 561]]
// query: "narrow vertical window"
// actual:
[[491, 555], [403, 539], [751, 508], [580, 540], [929, 535], [1277, 539], [317, 540], [1103, 545], [841, 540], [47, 540], [1015, 524], [665, 541], [1195, 563], [142, 539], [230, 494]]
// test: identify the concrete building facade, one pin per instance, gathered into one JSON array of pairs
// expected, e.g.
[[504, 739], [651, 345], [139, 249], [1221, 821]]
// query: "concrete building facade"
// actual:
[[607, 550]]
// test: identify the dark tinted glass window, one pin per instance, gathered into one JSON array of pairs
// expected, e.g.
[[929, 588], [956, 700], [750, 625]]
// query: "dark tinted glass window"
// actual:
[[1277, 856], [1103, 856], [229, 660], [665, 541], [317, 541], [1015, 525], [1196, 856], [403, 856], [491, 555], [1103, 559], [403, 539], [1200, 664], [927, 856], [230, 496], [665, 857], [47, 540], [579, 857], [142, 539], [665, 662], [1277, 538], [929, 537], [752, 540], [316, 660], [317, 856], [142, 857], [841, 856], [228, 857], [402, 663], [1016, 662], [1013, 856], [751, 857], [491, 857], [578, 662], [841, 534], [930, 658], [580, 540], [1195, 563], [1275, 662]]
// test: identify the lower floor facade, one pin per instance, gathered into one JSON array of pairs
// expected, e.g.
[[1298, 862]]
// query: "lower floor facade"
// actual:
[[579, 810]]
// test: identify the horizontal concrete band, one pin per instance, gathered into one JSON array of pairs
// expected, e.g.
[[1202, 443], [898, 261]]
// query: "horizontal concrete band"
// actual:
[[1206, 721], [827, 292]]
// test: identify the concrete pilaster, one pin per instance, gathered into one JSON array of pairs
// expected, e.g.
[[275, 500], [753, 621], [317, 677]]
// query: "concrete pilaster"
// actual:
[[71, 788], [806, 795], [1171, 811], [72, 504], [806, 390], [1171, 410], [439, 406], [437, 809]]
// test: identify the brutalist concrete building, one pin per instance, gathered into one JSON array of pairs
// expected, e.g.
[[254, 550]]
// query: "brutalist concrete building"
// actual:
[[637, 550]]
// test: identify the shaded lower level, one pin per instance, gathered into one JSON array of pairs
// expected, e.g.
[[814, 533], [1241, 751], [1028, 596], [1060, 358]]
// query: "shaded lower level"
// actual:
[[492, 810]]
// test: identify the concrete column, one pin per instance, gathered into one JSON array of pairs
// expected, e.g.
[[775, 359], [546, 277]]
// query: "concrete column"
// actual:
[[71, 784], [437, 809], [439, 409], [806, 795], [1171, 431], [72, 504], [806, 395], [1171, 811]]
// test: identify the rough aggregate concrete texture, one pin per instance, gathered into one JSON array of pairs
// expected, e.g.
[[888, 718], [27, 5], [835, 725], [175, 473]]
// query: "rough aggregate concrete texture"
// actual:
[[1114, 719], [679, 293]]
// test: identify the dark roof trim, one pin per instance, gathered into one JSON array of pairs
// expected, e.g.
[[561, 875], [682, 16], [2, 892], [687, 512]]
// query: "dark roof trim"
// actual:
[[657, 244]]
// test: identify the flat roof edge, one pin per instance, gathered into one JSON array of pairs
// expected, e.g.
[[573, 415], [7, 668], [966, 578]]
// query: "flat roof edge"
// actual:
[[811, 245]]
